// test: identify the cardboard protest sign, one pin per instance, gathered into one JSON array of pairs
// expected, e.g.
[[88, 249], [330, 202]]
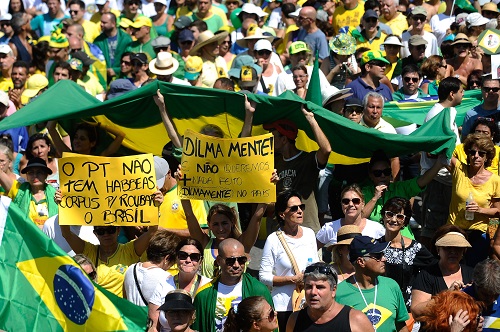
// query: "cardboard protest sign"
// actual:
[[227, 170], [103, 191]]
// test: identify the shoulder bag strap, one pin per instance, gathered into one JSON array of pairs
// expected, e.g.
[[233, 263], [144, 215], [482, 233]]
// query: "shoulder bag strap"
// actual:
[[137, 285], [264, 87], [288, 252]]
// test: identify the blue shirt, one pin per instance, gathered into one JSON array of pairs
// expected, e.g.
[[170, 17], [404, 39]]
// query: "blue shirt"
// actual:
[[316, 41], [473, 114], [19, 137], [359, 89], [490, 314]]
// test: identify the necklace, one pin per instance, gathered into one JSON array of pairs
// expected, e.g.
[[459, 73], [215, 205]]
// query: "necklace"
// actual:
[[373, 315]]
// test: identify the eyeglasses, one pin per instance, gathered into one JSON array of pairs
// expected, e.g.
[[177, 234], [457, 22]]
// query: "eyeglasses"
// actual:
[[376, 256], [54, 50], [473, 153], [295, 208], [92, 275], [490, 89], [263, 52], [186, 42], [420, 47], [371, 20], [228, 3], [195, 256], [399, 216], [227, 42], [443, 65], [231, 260], [355, 201], [350, 110], [105, 230], [321, 269], [137, 3], [378, 172], [462, 45], [413, 79], [300, 18], [128, 63], [271, 316], [5, 23], [485, 119]]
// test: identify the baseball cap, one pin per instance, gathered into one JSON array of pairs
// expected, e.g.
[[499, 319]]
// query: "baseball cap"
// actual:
[[4, 98], [193, 67], [160, 41], [284, 127], [119, 87], [248, 77], [5, 49], [6, 17], [101, 2], [185, 35], [34, 84], [263, 44], [84, 57], [373, 55], [353, 101], [183, 22], [142, 57], [163, 2], [141, 21], [161, 170], [419, 10], [364, 245], [370, 13], [239, 62], [416, 40], [461, 18], [297, 47], [76, 64]]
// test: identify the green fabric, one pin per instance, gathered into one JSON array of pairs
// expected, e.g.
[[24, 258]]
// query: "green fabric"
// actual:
[[314, 90], [124, 40], [31, 264], [23, 198], [400, 95], [433, 88], [137, 109], [137, 47], [214, 22], [179, 73], [206, 299]]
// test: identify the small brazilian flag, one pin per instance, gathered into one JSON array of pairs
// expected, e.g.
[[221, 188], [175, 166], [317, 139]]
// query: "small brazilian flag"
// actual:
[[43, 289]]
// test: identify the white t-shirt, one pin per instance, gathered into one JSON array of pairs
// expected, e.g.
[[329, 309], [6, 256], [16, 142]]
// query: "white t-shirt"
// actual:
[[274, 18], [227, 297], [53, 231], [328, 233], [148, 279], [440, 24], [178, 81], [275, 262], [431, 48]]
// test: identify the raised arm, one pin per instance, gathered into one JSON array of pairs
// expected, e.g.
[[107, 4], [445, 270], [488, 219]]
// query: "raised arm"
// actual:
[[249, 111], [56, 139], [427, 177], [324, 145], [5, 181], [193, 225], [172, 132], [142, 242], [115, 145]]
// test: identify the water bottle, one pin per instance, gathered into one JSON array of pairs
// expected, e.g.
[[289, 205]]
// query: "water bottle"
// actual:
[[469, 215]]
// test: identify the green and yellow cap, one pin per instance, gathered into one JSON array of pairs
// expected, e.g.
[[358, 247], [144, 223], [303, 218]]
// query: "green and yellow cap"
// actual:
[[373, 55], [297, 47], [76, 64], [58, 40]]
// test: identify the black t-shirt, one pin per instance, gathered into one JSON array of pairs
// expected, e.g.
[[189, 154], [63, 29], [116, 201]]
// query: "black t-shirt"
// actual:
[[299, 172], [431, 280]]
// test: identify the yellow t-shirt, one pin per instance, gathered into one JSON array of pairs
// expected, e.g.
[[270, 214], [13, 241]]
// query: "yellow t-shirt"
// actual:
[[398, 24], [6, 84], [460, 154], [91, 30], [91, 84], [185, 11], [39, 211], [347, 17], [288, 33], [213, 70], [375, 43], [96, 18], [482, 195], [110, 274], [172, 214]]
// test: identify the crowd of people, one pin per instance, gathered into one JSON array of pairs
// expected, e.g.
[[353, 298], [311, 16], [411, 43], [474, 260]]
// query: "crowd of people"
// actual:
[[412, 243]]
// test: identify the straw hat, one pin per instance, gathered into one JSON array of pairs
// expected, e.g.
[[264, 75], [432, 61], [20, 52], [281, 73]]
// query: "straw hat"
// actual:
[[205, 38], [453, 239], [345, 235], [461, 38], [253, 33], [164, 64]]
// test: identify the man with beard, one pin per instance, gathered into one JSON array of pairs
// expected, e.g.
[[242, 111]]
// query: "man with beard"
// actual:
[[20, 73], [213, 300], [373, 66], [323, 312]]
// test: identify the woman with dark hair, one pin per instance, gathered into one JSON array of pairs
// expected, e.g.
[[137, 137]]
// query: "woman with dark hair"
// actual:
[[251, 315], [474, 80], [160, 19], [434, 69], [40, 58], [126, 67], [40, 146], [404, 256], [300, 78], [16, 6], [276, 268]]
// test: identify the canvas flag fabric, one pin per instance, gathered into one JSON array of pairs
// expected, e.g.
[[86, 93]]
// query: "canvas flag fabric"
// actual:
[[137, 115], [43, 289], [314, 90]]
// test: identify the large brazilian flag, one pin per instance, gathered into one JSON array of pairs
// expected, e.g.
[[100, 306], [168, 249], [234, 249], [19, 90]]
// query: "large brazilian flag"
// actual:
[[43, 289]]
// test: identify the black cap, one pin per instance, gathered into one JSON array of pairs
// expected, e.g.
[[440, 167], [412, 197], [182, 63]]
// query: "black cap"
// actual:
[[143, 58], [369, 14], [83, 57]]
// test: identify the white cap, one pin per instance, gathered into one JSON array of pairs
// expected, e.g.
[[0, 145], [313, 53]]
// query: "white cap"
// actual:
[[4, 98], [250, 8], [163, 2], [296, 13], [101, 2], [392, 40], [476, 19], [161, 170], [6, 17], [5, 49], [263, 44]]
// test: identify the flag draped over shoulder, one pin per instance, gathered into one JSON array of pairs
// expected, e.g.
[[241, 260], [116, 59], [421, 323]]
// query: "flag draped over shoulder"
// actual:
[[136, 114], [43, 289]]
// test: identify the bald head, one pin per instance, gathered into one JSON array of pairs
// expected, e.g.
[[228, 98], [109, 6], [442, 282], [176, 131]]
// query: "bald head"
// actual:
[[229, 245], [308, 12]]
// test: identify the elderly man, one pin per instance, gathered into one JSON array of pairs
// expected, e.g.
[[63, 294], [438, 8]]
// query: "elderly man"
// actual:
[[371, 36], [7, 59], [418, 18], [77, 11], [394, 19], [323, 313], [410, 91], [141, 29], [348, 14], [373, 66], [214, 22], [311, 34], [113, 42], [44, 24], [380, 298], [213, 301]]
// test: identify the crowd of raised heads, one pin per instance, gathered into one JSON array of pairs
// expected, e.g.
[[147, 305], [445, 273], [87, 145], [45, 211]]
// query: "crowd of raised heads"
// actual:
[[397, 243]]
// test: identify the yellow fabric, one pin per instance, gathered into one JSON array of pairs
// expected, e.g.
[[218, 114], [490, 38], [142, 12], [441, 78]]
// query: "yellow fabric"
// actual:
[[91, 84], [33, 212], [288, 32], [460, 154], [172, 214], [375, 44], [213, 70], [184, 11], [96, 18], [91, 30], [398, 24], [482, 195], [98, 68], [6, 84], [343, 17], [32, 130], [110, 274]]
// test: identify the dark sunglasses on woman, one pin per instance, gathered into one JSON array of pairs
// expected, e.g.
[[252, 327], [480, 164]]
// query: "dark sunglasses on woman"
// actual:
[[105, 230]]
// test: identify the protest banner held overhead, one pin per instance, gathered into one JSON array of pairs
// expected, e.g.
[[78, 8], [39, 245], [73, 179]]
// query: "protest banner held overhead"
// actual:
[[227, 170], [108, 190]]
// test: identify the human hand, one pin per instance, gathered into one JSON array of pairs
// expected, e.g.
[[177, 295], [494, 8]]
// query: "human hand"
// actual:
[[459, 322], [456, 285], [309, 115], [110, 72], [249, 105], [473, 207], [58, 196], [159, 99], [178, 174], [380, 190], [274, 177], [15, 96], [157, 198]]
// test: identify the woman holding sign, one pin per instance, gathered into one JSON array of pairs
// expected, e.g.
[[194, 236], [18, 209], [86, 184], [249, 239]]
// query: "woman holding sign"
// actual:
[[33, 197]]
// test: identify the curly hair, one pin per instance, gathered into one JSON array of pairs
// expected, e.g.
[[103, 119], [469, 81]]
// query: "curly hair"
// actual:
[[446, 304], [229, 213], [483, 143], [490, 123], [249, 310]]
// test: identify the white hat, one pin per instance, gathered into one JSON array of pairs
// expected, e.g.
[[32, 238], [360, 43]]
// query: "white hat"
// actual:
[[250, 8], [4, 98], [475, 20], [161, 170], [101, 2], [296, 13], [5, 49], [164, 64], [163, 2], [6, 17], [392, 40], [253, 33], [331, 94], [263, 44]]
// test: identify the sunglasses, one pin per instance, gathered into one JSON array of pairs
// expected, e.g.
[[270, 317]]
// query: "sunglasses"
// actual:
[[485, 119], [228, 3], [231, 260], [227, 42], [443, 66], [399, 216], [128, 63], [378, 172], [462, 45], [490, 89], [419, 18], [378, 63], [271, 316], [473, 153], [321, 269], [355, 201], [420, 47], [408, 79], [376, 256], [73, 11], [371, 20], [195, 256], [357, 110], [186, 42], [5, 23], [107, 230], [295, 208], [264, 52]]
